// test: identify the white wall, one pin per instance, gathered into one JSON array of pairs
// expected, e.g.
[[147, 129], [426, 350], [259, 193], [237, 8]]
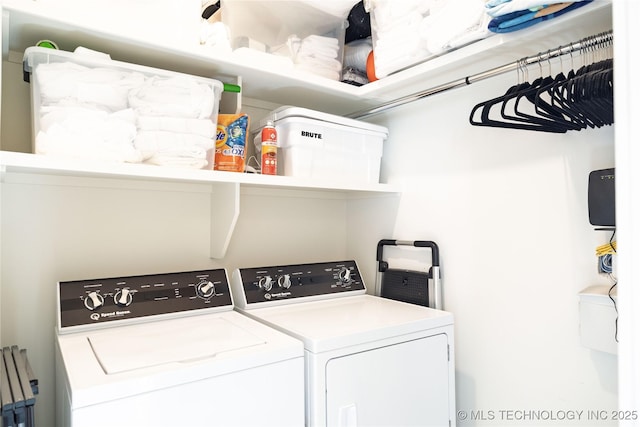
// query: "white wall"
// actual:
[[508, 209]]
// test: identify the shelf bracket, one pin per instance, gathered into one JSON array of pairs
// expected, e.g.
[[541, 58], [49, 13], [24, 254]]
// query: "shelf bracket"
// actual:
[[225, 209]]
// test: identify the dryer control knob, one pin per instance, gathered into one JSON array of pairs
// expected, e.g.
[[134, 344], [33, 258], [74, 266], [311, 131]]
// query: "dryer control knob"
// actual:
[[123, 297], [344, 275], [265, 283], [93, 301], [205, 289], [284, 281]]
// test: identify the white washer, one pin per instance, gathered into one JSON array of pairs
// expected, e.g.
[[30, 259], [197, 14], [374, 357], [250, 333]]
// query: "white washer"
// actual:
[[168, 350], [369, 360]]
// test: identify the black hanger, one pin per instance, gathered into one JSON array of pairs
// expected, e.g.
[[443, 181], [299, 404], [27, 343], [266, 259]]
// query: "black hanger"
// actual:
[[583, 98], [511, 115], [544, 106], [588, 96], [486, 115], [545, 112], [551, 120]]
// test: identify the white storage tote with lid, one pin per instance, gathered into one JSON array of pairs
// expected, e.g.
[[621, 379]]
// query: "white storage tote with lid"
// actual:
[[319, 145]]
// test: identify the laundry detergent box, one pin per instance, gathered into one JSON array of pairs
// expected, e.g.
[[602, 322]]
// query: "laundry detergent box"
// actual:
[[231, 142], [319, 145], [88, 107]]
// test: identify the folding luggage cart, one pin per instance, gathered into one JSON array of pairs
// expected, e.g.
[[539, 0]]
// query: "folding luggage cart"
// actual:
[[409, 285]]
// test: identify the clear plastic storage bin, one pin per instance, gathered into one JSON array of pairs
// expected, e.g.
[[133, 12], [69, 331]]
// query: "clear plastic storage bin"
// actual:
[[311, 37], [405, 33], [86, 106]]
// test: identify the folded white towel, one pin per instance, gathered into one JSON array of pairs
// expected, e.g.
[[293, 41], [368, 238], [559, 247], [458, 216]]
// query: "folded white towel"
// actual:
[[317, 54], [400, 39], [320, 71], [65, 148], [402, 45], [91, 126], [71, 83], [105, 94], [57, 80], [387, 12], [202, 127], [452, 22], [151, 143], [85, 52], [330, 63], [89, 135], [403, 22], [318, 51], [66, 115], [178, 96], [472, 34], [317, 40]]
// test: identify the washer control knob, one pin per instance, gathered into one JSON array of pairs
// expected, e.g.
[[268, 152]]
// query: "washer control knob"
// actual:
[[284, 281], [265, 283], [205, 289], [93, 301], [344, 275], [123, 297]]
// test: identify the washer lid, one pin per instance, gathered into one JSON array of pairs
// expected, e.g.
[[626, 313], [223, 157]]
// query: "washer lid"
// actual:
[[125, 349], [170, 353]]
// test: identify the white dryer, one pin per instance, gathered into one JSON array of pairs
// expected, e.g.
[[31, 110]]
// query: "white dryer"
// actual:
[[168, 350], [370, 361]]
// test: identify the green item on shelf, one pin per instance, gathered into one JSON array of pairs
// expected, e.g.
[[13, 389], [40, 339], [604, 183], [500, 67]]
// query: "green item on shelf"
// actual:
[[47, 43], [228, 87]]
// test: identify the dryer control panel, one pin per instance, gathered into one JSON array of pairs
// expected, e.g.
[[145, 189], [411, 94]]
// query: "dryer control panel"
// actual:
[[96, 301], [283, 283]]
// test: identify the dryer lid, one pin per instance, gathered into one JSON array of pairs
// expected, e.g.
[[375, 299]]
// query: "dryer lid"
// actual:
[[142, 346], [340, 323]]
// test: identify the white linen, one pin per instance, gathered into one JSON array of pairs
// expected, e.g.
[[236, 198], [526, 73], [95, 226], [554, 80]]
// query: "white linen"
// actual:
[[202, 127], [317, 54], [124, 116], [456, 23], [173, 96]]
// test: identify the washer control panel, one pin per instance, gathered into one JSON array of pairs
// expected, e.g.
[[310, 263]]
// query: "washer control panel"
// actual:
[[288, 282], [89, 302]]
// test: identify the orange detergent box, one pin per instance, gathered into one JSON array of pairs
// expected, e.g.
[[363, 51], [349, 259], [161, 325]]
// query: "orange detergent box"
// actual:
[[231, 142]]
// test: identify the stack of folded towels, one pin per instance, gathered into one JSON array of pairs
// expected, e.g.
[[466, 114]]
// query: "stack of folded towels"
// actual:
[[411, 31], [124, 116], [452, 24], [397, 26], [174, 125], [512, 15], [317, 54]]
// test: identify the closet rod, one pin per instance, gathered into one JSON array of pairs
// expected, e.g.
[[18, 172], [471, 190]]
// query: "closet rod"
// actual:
[[585, 43]]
